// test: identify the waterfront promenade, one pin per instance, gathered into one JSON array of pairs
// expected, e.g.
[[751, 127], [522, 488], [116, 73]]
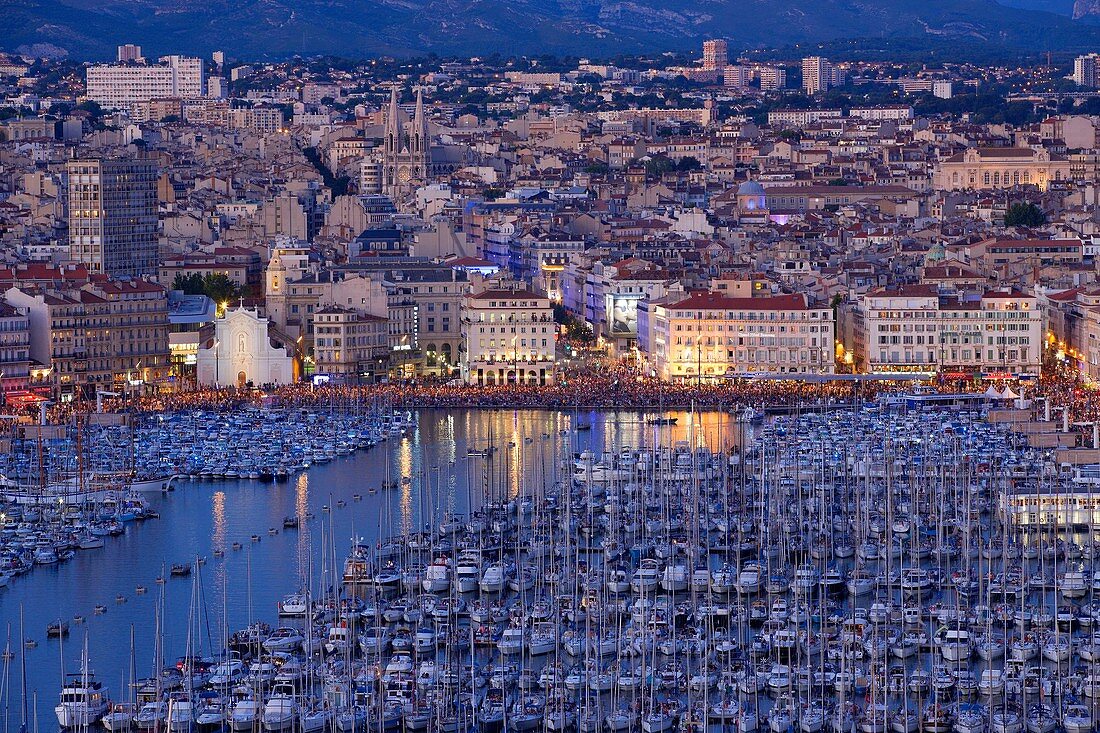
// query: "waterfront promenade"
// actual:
[[590, 391]]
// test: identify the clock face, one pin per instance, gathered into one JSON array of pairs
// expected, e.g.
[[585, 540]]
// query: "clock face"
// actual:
[[404, 175]]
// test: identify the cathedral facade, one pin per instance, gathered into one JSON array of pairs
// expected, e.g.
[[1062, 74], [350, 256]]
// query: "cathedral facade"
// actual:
[[407, 149]]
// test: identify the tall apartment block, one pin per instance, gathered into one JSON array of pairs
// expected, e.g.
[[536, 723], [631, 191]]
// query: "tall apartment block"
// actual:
[[715, 55], [113, 215], [123, 86], [818, 75], [1085, 71], [128, 52]]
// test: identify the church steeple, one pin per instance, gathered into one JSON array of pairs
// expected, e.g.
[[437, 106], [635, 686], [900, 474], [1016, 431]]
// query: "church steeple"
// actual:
[[393, 124], [406, 151], [420, 125]]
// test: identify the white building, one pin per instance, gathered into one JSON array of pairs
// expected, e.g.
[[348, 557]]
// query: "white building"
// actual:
[[802, 117], [508, 336], [818, 75], [890, 112], [916, 328], [706, 334], [123, 86], [1085, 71], [245, 348]]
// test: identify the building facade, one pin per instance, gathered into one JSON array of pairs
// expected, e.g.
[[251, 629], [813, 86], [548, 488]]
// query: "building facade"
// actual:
[[916, 328], [1085, 71], [709, 335], [508, 338], [124, 86], [113, 215], [406, 148], [985, 168], [818, 75], [242, 348], [350, 346]]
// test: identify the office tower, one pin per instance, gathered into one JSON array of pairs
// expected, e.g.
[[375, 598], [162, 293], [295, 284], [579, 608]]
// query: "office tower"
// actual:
[[113, 215]]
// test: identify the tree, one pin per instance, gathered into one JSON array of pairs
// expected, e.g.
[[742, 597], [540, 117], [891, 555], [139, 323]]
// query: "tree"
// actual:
[[189, 284], [689, 163], [219, 288], [92, 108], [216, 285], [657, 166], [1024, 215]]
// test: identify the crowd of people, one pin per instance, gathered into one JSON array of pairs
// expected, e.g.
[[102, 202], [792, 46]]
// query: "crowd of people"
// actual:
[[602, 390]]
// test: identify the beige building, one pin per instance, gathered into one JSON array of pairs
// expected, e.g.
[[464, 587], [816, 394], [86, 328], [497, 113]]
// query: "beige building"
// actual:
[[508, 338], [983, 168], [98, 336], [348, 345], [916, 328], [710, 335]]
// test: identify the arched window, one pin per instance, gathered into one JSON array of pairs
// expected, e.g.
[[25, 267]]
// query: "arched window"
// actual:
[[985, 178]]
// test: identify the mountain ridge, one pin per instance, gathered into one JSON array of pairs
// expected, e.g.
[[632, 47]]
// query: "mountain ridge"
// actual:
[[261, 29]]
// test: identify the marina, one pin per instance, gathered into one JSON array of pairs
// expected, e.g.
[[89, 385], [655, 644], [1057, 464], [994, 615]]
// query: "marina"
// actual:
[[509, 570]]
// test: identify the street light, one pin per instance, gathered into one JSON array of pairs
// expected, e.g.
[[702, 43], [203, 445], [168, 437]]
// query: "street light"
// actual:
[[217, 363]]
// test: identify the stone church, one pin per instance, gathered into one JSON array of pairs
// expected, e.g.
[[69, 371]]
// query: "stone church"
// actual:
[[410, 156]]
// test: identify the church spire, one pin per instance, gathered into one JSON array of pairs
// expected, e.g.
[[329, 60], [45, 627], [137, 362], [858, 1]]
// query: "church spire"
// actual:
[[420, 125], [393, 123]]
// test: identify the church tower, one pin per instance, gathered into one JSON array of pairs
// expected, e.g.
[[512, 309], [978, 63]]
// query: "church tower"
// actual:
[[406, 151]]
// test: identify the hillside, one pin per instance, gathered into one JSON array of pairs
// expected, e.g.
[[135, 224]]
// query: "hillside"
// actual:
[[361, 28]]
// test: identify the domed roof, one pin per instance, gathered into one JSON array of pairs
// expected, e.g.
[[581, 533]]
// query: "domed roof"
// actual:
[[750, 188], [937, 253]]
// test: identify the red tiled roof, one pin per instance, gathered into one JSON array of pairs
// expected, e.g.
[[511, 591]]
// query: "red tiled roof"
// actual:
[[506, 295], [708, 300]]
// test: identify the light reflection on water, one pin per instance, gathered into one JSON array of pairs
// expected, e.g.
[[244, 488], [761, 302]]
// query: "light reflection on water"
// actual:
[[434, 475]]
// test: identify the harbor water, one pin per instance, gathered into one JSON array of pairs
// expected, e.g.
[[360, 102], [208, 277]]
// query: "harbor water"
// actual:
[[248, 561]]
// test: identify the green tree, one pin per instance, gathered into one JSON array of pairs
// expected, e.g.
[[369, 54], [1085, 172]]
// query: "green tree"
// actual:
[[1024, 215], [659, 165], [189, 284], [219, 288], [689, 163]]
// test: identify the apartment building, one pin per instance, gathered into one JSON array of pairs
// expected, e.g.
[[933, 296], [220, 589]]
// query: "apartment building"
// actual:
[[818, 75], [1086, 71], [350, 346], [919, 328], [124, 86], [508, 338], [710, 335], [15, 346], [99, 335]]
